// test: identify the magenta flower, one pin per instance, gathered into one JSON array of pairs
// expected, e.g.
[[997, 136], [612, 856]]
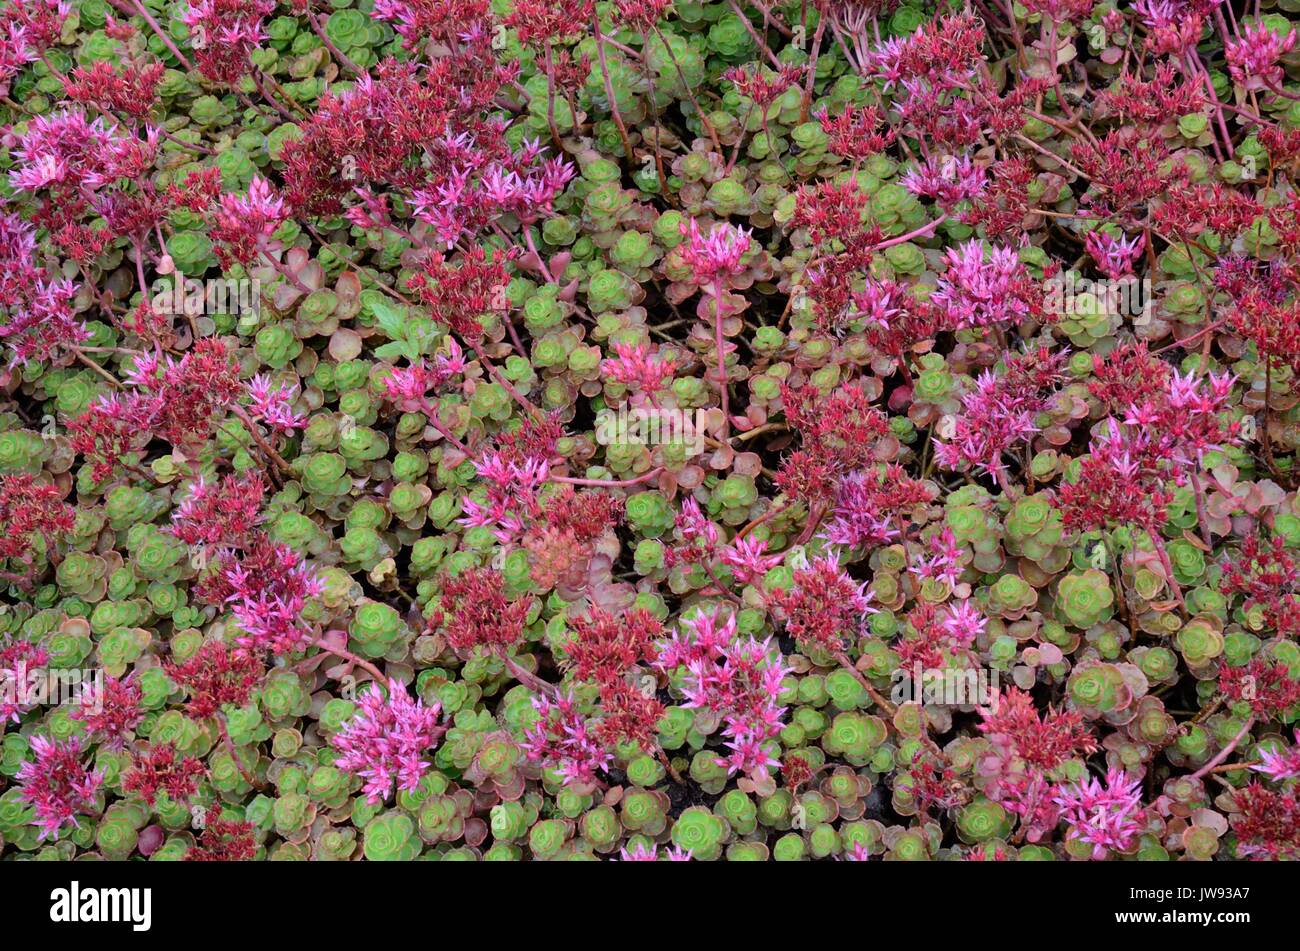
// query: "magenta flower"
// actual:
[[880, 302], [650, 853], [738, 679], [858, 853], [746, 558], [964, 622], [111, 710], [15, 51], [561, 741], [244, 223], [638, 367], [274, 407], [695, 526], [217, 513], [268, 600], [17, 661], [1115, 257], [414, 382], [384, 742], [513, 498], [976, 292], [57, 784], [945, 564], [1253, 59], [1177, 430], [477, 190], [1279, 766], [1107, 818], [716, 255], [223, 33], [946, 179], [67, 149], [999, 414], [639, 853]]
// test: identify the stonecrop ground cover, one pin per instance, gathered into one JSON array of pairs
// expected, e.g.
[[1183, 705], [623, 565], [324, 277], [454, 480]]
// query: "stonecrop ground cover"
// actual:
[[648, 430]]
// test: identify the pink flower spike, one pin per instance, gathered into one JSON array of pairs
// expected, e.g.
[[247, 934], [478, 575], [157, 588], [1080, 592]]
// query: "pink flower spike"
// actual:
[[716, 255], [383, 743], [1107, 818], [57, 784], [1280, 766], [1115, 257]]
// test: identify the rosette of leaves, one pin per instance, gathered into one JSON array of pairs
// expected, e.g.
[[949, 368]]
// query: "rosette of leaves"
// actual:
[[548, 838], [391, 837], [1152, 726], [1034, 532], [982, 820], [1010, 597], [854, 737], [1084, 598], [911, 845], [700, 832], [377, 630], [644, 811], [1200, 642], [1101, 690], [498, 766], [971, 515], [443, 816]]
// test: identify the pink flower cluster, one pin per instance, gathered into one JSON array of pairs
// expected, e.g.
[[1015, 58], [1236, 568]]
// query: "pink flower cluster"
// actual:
[[111, 710], [415, 381], [945, 561], [221, 512], [478, 191], [1180, 428], [748, 561], [1253, 59], [946, 179], [739, 680], [1106, 817], [57, 784], [998, 415], [560, 739], [68, 151], [650, 853], [274, 406], [872, 504], [636, 366], [716, 255], [1115, 257], [414, 20], [27, 27], [384, 742], [244, 223], [223, 33], [17, 660], [268, 600], [880, 302], [1280, 766], [513, 498], [15, 52], [975, 292], [963, 622], [40, 310]]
